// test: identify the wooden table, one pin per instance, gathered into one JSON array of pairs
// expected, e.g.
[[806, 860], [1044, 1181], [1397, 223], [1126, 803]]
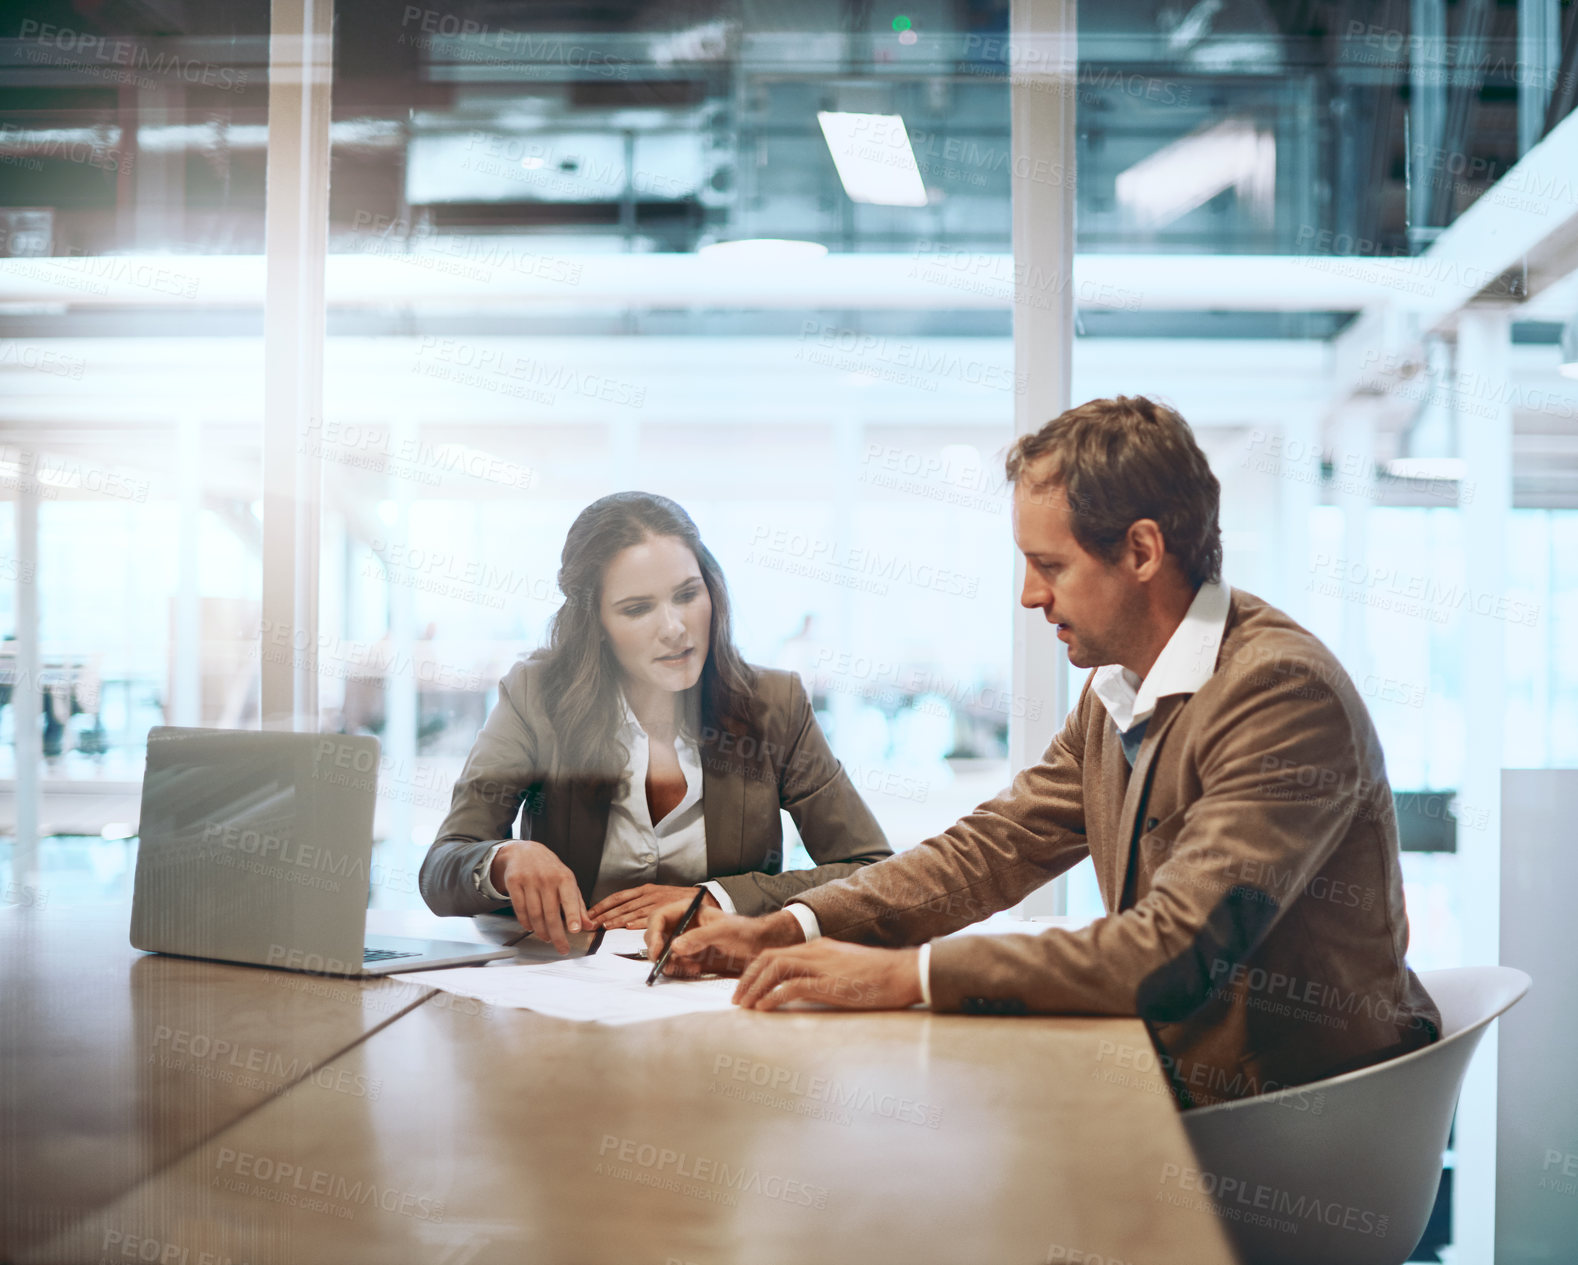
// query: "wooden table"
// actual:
[[463, 1134], [114, 1062]]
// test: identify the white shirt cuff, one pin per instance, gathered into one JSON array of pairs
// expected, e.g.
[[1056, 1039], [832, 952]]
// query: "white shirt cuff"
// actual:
[[719, 895], [924, 962], [485, 876], [806, 917]]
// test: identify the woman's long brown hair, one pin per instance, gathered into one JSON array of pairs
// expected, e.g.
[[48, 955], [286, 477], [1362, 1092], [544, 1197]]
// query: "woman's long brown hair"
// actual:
[[580, 674]]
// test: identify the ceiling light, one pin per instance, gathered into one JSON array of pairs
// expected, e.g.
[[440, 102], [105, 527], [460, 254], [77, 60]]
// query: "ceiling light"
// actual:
[[874, 159], [708, 42], [1190, 171]]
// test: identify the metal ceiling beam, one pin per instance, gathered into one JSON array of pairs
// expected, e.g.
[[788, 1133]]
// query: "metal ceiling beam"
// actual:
[[1527, 221]]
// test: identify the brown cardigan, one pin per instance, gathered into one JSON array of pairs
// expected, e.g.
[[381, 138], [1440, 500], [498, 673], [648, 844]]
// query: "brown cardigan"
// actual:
[[514, 767], [1248, 862]]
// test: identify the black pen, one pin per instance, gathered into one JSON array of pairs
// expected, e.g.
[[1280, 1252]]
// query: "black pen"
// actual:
[[695, 904], [597, 941]]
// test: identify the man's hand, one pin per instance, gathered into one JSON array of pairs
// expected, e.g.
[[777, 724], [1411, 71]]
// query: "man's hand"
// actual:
[[832, 973], [634, 906], [541, 888], [717, 943]]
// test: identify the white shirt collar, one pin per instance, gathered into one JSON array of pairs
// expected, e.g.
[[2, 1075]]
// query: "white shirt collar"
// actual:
[[1184, 665], [630, 725]]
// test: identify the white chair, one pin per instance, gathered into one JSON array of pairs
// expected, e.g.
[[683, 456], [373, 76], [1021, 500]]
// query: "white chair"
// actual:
[[1352, 1162]]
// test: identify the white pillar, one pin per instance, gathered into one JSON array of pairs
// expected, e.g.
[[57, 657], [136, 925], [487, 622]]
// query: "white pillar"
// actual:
[[186, 685], [1297, 495], [296, 219], [1044, 81], [400, 682], [847, 430], [1485, 443], [1353, 455], [26, 698]]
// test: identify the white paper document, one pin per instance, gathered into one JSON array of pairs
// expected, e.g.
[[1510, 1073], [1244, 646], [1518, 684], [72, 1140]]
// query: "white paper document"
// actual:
[[604, 988], [626, 940]]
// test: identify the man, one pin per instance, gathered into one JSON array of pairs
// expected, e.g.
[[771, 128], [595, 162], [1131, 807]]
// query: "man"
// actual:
[[1220, 770]]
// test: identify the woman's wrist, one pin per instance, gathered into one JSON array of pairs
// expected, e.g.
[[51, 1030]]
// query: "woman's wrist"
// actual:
[[501, 862]]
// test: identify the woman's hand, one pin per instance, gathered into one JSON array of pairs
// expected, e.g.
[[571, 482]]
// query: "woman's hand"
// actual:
[[542, 889], [632, 907]]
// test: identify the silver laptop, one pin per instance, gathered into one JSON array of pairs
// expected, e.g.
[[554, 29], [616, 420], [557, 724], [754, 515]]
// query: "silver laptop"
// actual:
[[257, 848]]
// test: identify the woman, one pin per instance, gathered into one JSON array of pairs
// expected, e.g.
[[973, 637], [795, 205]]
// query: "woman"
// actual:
[[644, 755]]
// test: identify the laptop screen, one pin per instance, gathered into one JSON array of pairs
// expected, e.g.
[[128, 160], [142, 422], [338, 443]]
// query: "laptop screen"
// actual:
[[254, 847]]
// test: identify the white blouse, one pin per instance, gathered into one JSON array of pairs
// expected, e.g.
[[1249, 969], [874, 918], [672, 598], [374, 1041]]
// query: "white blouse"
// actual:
[[636, 850]]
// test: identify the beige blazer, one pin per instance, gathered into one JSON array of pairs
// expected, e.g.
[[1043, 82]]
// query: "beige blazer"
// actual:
[[514, 768], [1248, 862]]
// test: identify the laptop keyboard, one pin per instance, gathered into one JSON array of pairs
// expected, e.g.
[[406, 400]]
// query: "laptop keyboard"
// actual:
[[383, 955]]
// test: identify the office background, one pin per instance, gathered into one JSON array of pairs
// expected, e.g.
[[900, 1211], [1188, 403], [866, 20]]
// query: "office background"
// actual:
[[761, 258]]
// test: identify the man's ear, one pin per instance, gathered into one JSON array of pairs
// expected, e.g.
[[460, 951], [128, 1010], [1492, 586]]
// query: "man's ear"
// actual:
[[1147, 547]]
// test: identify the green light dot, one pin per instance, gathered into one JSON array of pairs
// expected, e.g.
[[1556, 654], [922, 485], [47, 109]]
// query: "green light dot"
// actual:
[[901, 23]]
